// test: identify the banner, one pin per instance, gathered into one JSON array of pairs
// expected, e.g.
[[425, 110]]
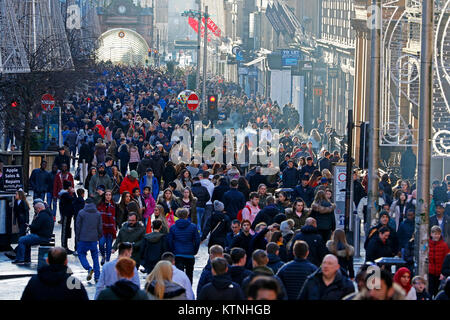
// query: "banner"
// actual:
[[194, 25], [213, 27]]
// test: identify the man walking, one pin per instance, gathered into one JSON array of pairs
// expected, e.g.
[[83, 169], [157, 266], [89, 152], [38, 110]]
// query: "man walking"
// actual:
[[38, 181], [89, 230]]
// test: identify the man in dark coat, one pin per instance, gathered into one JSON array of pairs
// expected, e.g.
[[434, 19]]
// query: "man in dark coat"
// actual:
[[258, 179], [62, 158], [327, 282], [379, 246], [406, 229], [218, 225], [325, 162], [54, 282], [132, 231], [153, 246], [216, 251], [243, 239], [267, 214], [273, 251], [294, 273], [290, 175], [233, 200], [221, 287], [38, 181], [220, 190], [237, 271], [304, 191], [311, 236]]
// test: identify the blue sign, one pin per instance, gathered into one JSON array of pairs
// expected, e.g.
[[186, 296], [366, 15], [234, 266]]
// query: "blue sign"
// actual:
[[290, 57]]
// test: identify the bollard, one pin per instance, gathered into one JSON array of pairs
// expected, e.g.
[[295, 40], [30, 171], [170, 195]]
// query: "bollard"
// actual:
[[357, 237], [83, 171]]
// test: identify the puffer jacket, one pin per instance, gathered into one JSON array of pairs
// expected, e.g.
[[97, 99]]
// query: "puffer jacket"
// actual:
[[293, 275], [183, 238], [437, 253], [172, 291], [346, 262], [153, 246]]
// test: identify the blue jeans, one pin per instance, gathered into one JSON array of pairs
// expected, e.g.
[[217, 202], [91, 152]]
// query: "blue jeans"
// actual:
[[52, 202], [200, 213], [39, 195], [23, 251], [105, 243], [83, 248]]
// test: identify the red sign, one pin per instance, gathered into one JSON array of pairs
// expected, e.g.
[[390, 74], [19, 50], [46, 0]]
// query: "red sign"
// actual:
[[194, 25], [193, 101], [318, 91], [213, 27], [47, 102]]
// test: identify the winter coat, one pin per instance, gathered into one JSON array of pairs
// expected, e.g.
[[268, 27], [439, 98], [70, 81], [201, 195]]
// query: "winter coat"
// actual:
[[172, 291], [264, 271], [265, 215], [238, 274], [275, 262], [339, 288], [317, 249], [43, 224], [123, 289], [66, 208], [221, 288], [219, 191], [38, 180], [100, 152], [108, 213], [153, 246], [306, 193], [446, 228], [155, 186], [324, 215], [89, 226], [98, 180], [142, 167], [242, 241], [60, 159], [393, 239], [438, 250], [184, 239], [446, 266], [128, 185], [150, 205], [201, 193], [134, 235], [293, 275], [50, 283], [299, 222], [290, 177], [58, 182], [405, 232], [377, 249], [169, 175], [233, 201], [218, 225], [157, 165], [345, 261]]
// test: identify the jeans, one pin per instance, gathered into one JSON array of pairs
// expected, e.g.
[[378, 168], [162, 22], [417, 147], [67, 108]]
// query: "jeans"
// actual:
[[73, 153], [66, 230], [200, 213], [105, 243], [208, 212], [23, 250], [38, 195], [52, 202], [186, 265], [83, 248]]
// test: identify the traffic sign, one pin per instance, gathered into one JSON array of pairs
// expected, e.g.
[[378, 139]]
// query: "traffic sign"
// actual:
[[193, 101], [47, 102]]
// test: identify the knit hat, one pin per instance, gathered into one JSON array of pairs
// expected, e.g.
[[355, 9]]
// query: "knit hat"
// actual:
[[134, 174], [218, 206]]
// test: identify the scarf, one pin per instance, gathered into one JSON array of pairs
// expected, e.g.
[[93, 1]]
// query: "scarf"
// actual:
[[400, 272]]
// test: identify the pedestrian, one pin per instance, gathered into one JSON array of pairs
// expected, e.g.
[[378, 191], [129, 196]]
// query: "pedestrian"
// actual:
[[251, 208], [129, 182], [160, 285], [101, 178], [275, 263], [442, 220], [299, 213], [67, 211], [235, 228], [387, 289], [153, 246], [203, 196], [221, 287], [327, 282], [323, 211], [263, 288], [217, 226], [189, 202], [238, 272], [419, 284], [379, 245], [21, 212], [51, 281], [132, 231], [294, 273], [123, 288], [149, 205], [438, 250], [403, 278], [339, 247], [243, 238], [158, 214], [38, 181], [122, 212], [89, 231], [107, 209], [215, 251], [179, 276], [109, 275], [184, 242]]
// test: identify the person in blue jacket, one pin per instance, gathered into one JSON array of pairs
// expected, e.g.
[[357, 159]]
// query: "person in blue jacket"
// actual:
[[145, 182], [184, 242]]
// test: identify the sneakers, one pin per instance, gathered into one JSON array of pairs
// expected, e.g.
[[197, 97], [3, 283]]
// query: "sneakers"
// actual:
[[89, 276], [21, 263], [10, 255]]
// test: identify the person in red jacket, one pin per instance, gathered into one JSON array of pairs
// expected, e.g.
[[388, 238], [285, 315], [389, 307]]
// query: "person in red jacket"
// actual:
[[437, 253], [107, 208], [101, 128], [130, 182]]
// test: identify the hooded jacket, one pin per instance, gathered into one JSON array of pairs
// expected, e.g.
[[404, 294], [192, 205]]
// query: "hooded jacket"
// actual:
[[153, 246], [122, 290], [128, 185], [221, 288], [184, 239], [264, 271], [89, 225], [275, 262], [238, 274], [172, 291], [317, 249], [134, 235], [50, 283]]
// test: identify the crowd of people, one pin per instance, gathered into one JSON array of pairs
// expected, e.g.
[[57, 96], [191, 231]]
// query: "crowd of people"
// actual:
[[269, 237]]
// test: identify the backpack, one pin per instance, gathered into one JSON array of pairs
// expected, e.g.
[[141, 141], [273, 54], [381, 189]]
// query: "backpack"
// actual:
[[239, 214]]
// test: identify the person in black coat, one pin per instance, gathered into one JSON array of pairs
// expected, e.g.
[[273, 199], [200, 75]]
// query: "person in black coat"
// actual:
[[233, 200], [220, 190], [325, 162], [51, 281], [310, 234], [294, 273], [393, 239], [304, 191], [157, 163], [62, 158], [216, 251], [379, 246], [153, 246], [221, 287], [21, 212], [290, 175], [243, 239], [237, 271], [327, 282], [258, 179], [275, 262], [169, 174], [67, 210], [267, 214], [218, 225]]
